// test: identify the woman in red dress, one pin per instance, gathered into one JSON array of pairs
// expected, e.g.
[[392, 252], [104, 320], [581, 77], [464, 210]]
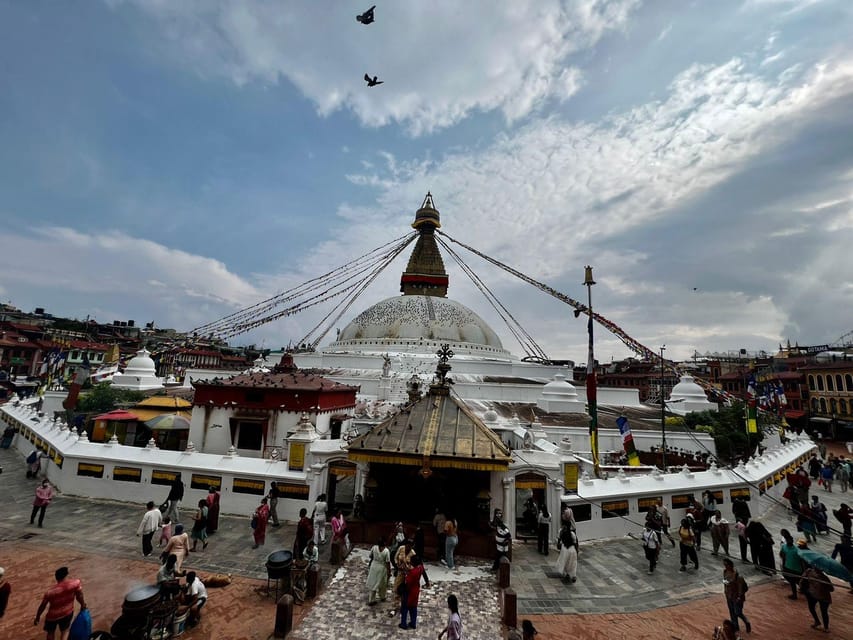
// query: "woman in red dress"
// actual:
[[261, 517], [212, 510]]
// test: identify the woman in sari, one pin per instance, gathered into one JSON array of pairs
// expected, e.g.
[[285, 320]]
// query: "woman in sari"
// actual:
[[378, 572], [339, 529], [179, 544], [261, 517], [212, 510], [199, 530]]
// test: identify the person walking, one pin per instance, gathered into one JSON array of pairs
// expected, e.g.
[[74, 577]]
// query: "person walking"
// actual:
[[319, 518], [339, 530], [740, 528], [818, 591], [651, 547], [273, 495], [792, 566], [412, 593], [827, 475], [213, 497], [402, 562], [304, 533], [438, 522], [176, 494], [845, 516], [378, 573], [454, 621], [665, 520], [59, 602], [149, 525], [842, 474], [761, 547], [820, 515], [260, 519], [179, 545], [5, 592], [844, 552], [567, 562], [544, 531], [735, 590], [740, 509], [44, 494], [687, 544], [503, 540], [696, 517], [199, 530], [806, 523], [451, 532], [719, 533]]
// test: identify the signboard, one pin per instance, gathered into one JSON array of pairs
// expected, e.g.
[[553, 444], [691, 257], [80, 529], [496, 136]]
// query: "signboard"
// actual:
[[743, 494], [529, 481], [681, 501], [296, 459], [127, 474], [614, 508], [644, 504], [158, 476], [58, 460], [342, 469], [570, 477], [201, 481], [292, 491], [90, 470], [245, 485]]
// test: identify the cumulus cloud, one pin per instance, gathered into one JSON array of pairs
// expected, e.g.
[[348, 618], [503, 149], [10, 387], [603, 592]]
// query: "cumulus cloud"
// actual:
[[441, 61]]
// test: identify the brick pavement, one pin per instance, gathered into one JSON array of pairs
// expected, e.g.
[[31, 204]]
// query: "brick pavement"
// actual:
[[611, 580]]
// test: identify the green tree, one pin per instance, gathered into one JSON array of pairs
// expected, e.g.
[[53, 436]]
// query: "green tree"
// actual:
[[104, 397], [728, 428]]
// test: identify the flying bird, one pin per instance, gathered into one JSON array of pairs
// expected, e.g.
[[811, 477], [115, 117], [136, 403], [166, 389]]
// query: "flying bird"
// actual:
[[372, 82], [366, 17]]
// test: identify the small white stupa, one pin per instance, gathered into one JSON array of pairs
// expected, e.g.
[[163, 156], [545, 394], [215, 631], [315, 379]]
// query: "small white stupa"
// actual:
[[560, 396], [687, 397], [140, 374]]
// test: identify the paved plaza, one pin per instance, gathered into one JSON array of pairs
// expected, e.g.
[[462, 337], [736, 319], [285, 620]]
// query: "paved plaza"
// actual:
[[96, 538]]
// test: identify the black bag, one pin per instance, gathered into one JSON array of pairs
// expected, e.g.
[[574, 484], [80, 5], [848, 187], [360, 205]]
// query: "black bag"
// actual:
[[32, 457]]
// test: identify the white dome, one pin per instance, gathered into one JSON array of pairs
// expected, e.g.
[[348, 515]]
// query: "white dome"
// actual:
[[141, 364], [688, 390], [560, 396], [490, 416], [414, 323]]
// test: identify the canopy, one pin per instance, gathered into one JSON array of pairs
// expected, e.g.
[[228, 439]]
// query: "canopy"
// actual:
[[118, 415], [168, 422]]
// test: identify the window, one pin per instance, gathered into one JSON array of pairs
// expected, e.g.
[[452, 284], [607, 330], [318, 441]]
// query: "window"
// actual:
[[833, 406], [838, 385], [823, 405], [848, 379], [843, 407], [814, 405], [829, 385], [582, 512], [249, 435], [820, 383], [811, 383], [614, 509]]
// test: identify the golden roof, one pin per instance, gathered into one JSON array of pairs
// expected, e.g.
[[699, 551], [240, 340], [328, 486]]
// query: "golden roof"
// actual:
[[436, 431], [160, 405]]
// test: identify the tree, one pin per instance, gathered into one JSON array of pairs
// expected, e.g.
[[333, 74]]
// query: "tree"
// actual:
[[104, 397], [728, 428]]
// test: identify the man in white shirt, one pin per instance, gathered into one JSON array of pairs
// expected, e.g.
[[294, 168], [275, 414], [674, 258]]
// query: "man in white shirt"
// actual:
[[196, 598], [151, 522]]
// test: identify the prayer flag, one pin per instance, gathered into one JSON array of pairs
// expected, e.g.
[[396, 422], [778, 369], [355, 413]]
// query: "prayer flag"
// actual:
[[628, 441]]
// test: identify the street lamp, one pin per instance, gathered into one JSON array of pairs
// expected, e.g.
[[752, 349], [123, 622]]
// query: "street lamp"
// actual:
[[662, 413]]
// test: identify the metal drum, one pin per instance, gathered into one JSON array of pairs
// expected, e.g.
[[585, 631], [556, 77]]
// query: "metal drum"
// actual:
[[278, 570], [141, 600]]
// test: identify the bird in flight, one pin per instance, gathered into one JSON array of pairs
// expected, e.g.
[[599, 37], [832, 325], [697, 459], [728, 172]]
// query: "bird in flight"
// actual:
[[366, 17], [372, 82]]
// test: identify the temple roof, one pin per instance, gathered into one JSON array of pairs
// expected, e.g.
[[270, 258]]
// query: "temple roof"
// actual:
[[436, 431], [298, 380], [425, 273]]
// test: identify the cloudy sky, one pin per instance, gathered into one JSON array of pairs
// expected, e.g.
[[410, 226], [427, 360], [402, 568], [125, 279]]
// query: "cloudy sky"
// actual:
[[176, 160]]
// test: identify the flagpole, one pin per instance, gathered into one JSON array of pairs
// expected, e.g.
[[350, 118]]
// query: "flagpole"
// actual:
[[591, 383]]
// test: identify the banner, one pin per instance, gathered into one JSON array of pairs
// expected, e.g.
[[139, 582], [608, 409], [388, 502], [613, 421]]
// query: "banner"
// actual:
[[628, 441]]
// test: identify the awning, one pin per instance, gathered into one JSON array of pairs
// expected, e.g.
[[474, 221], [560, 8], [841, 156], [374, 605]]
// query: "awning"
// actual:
[[794, 414], [118, 415]]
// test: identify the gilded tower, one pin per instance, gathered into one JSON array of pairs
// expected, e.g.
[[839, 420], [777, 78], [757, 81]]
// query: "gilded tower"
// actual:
[[425, 274]]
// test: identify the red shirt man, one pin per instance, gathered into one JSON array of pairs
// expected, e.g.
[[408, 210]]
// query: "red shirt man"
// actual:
[[60, 600]]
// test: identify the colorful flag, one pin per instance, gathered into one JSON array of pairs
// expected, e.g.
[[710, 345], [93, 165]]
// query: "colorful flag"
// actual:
[[80, 377], [751, 405], [628, 441], [592, 399]]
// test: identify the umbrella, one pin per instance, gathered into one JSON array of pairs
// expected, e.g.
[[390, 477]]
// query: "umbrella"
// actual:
[[168, 422], [826, 564]]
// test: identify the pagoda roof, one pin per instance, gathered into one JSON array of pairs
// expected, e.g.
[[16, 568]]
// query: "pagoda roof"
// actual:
[[299, 380], [436, 431]]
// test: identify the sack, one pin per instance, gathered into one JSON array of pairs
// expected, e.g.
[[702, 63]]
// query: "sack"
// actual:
[[81, 628], [254, 522], [31, 459]]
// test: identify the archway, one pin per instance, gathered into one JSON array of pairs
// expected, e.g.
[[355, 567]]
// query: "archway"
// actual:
[[529, 498]]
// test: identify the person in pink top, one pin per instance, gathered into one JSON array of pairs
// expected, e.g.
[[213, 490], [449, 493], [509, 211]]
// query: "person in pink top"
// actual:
[[44, 494], [59, 601]]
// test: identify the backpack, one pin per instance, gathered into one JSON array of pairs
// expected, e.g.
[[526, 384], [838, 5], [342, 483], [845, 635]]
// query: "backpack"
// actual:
[[31, 459]]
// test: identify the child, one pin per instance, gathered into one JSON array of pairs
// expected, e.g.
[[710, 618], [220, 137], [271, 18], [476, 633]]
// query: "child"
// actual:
[[311, 554], [165, 531]]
